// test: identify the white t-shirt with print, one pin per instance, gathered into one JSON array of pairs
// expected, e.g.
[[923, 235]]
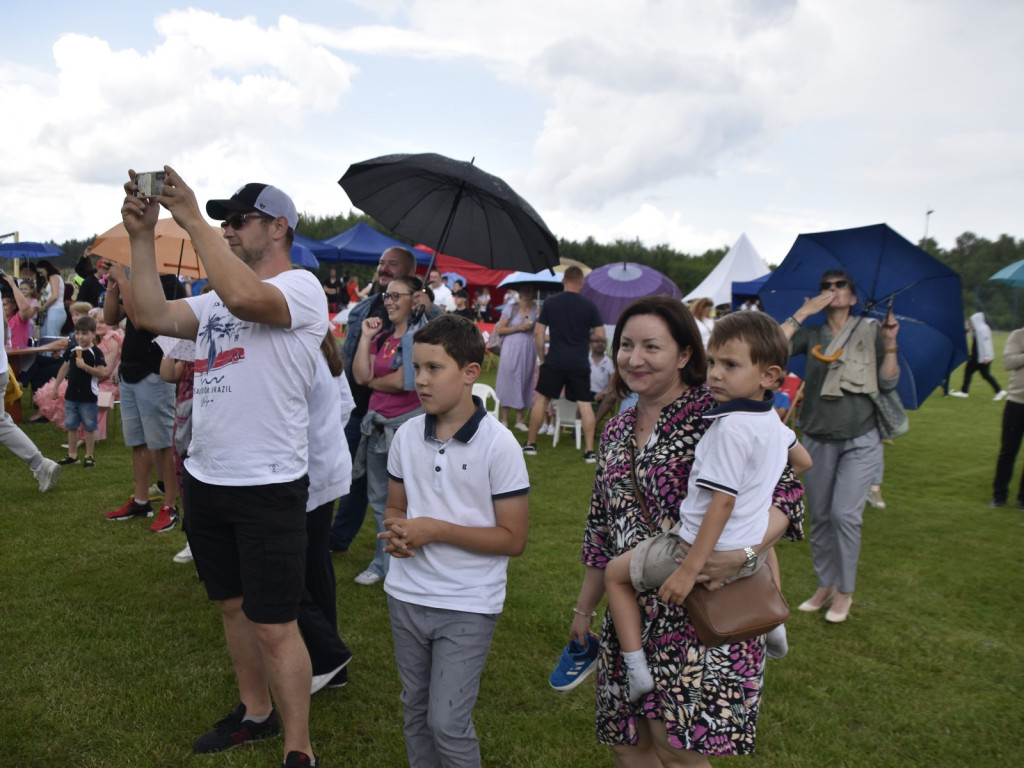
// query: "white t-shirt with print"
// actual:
[[249, 409]]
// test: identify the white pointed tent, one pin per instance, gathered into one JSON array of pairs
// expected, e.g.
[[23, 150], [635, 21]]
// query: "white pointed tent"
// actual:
[[742, 262]]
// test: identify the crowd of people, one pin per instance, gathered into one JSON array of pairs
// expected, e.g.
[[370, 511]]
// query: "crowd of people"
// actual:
[[696, 475]]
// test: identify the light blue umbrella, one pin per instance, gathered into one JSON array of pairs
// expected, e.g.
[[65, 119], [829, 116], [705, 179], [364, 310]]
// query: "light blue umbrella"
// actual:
[[1011, 275]]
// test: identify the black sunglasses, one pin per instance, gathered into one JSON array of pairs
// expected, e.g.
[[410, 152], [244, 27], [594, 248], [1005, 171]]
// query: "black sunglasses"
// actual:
[[826, 284], [237, 221]]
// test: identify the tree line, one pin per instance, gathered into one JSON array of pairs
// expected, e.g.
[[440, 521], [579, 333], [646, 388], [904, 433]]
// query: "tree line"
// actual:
[[974, 258]]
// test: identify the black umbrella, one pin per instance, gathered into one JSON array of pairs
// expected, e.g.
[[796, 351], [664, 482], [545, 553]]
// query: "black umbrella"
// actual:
[[453, 206]]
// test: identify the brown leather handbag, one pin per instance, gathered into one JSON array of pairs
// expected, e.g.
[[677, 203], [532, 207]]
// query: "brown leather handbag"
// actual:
[[740, 610]]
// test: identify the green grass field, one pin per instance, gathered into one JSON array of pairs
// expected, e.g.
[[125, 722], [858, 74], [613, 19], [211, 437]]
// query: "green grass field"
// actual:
[[110, 654]]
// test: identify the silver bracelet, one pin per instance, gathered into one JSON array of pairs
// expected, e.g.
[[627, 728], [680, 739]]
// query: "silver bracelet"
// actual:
[[578, 612]]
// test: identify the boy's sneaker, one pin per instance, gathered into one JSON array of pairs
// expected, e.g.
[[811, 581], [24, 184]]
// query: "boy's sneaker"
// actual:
[[89, 462], [47, 474], [68, 460], [234, 730], [590, 457], [530, 449], [155, 494], [367, 578], [576, 664], [299, 760], [185, 556], [166, 520], [131, 510]]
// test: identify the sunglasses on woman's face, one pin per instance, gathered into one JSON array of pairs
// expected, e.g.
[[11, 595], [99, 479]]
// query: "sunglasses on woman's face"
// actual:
[[829, 284]]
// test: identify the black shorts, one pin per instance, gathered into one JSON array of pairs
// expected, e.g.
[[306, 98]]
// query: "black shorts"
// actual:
[[250, 542], [551, 381]]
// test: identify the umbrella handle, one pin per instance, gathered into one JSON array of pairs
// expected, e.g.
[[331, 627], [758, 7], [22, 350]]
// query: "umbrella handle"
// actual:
[[818, 355]]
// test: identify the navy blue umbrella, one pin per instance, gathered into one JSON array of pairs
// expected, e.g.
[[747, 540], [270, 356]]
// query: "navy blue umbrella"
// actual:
[[29, 250], [925, 294]]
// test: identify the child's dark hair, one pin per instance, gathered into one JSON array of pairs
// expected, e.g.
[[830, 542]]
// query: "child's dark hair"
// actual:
[[85, 323], [768, 344], [457, 335]]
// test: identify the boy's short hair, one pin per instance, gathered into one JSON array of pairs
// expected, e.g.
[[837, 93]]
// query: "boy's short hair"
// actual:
[[80, 307], [768, 344], [85, 323], [457, 335]]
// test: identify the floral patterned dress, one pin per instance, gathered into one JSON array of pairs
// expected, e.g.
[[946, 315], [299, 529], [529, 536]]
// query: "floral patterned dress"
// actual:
[[708, 698]]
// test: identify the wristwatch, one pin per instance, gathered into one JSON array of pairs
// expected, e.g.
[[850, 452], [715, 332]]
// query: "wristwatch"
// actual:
[[751, 559]]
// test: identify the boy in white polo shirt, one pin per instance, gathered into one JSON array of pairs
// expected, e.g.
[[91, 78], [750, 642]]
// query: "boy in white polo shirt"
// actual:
[[457, 509], [736, 466]]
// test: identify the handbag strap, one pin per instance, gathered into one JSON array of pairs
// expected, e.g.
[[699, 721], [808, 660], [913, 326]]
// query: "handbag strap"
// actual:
[[646, 516]]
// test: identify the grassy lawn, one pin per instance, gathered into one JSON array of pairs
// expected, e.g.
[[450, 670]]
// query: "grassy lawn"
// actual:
[[110, 654]]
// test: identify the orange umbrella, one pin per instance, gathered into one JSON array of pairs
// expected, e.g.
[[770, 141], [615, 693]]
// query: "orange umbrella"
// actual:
[[175, 254]]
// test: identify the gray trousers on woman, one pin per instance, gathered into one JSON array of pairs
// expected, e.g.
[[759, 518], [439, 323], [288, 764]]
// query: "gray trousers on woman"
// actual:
[[837, 488], [440, 655]]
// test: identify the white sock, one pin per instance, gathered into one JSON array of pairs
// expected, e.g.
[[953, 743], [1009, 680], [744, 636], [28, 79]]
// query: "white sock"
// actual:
[[640, 681], [254, 719], [776, 644]]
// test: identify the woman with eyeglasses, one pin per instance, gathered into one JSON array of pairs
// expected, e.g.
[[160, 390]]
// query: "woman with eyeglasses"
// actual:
[[383, 362], [849, 361]]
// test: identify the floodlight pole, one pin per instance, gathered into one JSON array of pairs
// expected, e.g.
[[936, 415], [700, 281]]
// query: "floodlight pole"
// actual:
[[927, 216]]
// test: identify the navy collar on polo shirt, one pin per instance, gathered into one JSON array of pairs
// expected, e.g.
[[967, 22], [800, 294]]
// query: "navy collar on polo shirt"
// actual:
[[466, 431], [743, 404]]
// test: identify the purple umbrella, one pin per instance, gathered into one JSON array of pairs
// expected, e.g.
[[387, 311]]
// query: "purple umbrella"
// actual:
[[614, 287]]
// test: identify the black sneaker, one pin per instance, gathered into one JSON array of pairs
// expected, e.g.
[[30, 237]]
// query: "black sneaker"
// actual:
[[590, 457], [299, 760], [89, 462], [340, 680], [68, 460], [234, 730], [530, 449]]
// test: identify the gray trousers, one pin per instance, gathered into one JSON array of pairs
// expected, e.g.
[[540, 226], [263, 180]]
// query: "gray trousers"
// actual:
[[837, 488], [440, 655], [12, 436]]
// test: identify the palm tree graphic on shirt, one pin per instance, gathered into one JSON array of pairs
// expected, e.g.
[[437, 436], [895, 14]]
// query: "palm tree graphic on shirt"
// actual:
[[219, 332]]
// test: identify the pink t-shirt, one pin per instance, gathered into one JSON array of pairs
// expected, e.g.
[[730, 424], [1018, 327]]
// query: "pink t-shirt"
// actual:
[[389, 404], [21, 330]]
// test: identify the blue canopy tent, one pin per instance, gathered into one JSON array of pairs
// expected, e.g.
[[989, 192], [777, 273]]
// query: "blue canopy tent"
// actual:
[[307, 252], [746, 289], [362, 244]]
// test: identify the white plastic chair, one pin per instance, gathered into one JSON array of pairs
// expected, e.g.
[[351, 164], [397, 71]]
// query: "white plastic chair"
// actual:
[[567, 417], [486, 392]]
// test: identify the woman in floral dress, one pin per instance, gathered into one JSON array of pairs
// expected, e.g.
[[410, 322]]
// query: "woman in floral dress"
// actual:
[[706, 700]]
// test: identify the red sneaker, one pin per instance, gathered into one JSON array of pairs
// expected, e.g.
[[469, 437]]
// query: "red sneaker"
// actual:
[[131, 510], [166, 520]]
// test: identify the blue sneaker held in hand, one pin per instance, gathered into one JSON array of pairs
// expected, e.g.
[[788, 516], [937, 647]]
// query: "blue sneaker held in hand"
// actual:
[[576, 663]]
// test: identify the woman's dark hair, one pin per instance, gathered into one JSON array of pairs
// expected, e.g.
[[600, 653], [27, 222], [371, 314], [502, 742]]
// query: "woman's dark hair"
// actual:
[[329, 349], [413, 282], [46, 266], [681, 326]]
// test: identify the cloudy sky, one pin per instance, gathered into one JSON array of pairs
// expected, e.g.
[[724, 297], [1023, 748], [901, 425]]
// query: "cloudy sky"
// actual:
[[684, 122]]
